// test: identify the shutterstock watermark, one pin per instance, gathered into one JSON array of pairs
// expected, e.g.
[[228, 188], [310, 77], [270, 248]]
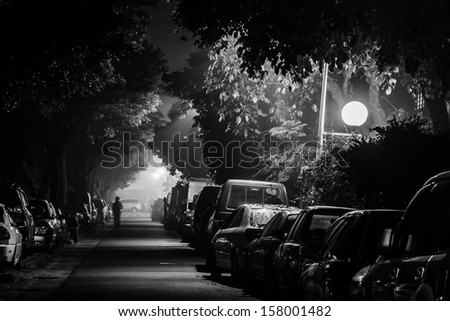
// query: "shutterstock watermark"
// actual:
[[190, 152]]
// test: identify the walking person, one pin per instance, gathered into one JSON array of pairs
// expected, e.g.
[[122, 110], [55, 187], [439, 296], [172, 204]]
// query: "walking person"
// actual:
[[117, 208]]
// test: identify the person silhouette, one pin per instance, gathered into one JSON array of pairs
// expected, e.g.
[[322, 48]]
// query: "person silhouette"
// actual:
[[117, 209]]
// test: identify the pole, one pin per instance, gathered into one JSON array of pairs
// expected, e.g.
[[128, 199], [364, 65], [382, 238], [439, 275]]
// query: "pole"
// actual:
[[323, 100]]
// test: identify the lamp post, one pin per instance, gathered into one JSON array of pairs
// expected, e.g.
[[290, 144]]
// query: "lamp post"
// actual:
[[353, 113]]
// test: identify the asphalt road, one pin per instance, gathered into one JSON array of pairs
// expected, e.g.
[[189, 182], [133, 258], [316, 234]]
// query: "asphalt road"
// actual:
[[139, 261]]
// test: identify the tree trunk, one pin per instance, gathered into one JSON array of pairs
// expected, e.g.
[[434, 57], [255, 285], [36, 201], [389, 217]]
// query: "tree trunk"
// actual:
[[378, 114], [438, 112]]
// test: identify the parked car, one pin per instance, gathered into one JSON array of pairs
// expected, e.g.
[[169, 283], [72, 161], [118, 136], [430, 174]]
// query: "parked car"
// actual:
[[303, 241], [102, 210], [65, 232], [185, 225], [157, 209], [236, 192], [414, 258], [10, 240], [15, 199], [260, 252], [72, 217], [131, 205], [48, 228], [202, 211], [227, 251], [350, 244]]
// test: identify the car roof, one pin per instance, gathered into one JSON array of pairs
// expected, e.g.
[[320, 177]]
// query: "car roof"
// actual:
[[376, 213], [328, 208], [439, 177], [280, 207], [251, 182]]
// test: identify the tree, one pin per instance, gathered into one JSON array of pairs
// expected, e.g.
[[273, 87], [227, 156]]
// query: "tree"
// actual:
[[188, 86], [55, 57], [410, 35]]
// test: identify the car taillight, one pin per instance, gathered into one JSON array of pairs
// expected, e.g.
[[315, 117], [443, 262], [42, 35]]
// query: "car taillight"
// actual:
[[4, 234]]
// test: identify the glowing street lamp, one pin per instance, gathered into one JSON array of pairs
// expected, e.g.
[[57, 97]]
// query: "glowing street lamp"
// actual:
[[354, 113]]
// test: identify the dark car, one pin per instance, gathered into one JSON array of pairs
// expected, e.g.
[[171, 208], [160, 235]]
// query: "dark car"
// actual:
[[15, 199], [201, 213], [102, 210], [236, 192], [71, 216], [260, 252], [227, 251], [350, 244], [157, 210], [414, 260], [48, 228], [303, 241]]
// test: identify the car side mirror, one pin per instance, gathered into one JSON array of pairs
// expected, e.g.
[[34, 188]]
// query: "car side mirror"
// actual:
[[385, 242], [279, 234]]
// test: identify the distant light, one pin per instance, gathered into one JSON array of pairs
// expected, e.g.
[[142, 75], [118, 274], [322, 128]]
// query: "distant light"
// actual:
[[354, 113]]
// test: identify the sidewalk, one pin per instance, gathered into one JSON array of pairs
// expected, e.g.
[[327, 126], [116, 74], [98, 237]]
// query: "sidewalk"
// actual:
[[42, 274]]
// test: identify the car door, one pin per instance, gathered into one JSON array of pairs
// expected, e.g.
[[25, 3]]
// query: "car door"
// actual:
[[286, 249], [426, 244], [223, 241], [257, 250], [418, 264]]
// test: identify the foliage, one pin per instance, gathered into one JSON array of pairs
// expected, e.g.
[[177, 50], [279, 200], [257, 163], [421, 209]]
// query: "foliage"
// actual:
[[73, 74], [383, 171], [413, 36]]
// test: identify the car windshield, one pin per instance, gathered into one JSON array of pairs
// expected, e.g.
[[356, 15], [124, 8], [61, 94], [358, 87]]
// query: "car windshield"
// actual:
[[248, 194], [9, 197], [39, 210], [261, 216], [322, 222]]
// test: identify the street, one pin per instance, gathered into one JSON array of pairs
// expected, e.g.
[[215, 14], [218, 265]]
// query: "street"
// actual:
[[139, 261]]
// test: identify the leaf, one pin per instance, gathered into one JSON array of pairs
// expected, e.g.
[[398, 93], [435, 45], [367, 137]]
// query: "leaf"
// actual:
[[238, 120], [388, 90]]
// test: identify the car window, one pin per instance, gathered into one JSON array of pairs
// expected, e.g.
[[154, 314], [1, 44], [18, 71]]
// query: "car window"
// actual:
[[261, 216], [272, 224], [39, 210], [339, 244], [8, 196], [298, 222], [249, 194], [369, 248], [237, 219], [314, 226], [423, 226], [288, 222]]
